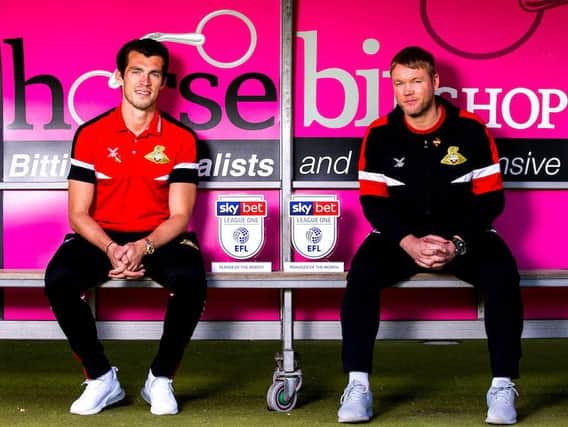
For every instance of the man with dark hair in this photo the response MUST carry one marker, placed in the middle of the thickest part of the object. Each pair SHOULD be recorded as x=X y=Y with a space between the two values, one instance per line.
x=132 y=188
x=430 y=185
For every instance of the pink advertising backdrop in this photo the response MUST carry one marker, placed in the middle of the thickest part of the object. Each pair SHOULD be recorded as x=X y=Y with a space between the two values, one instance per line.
x=77 y=44
x=494 y=58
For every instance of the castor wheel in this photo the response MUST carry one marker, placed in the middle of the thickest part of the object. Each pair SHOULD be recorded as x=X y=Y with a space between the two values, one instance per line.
x=276 y=398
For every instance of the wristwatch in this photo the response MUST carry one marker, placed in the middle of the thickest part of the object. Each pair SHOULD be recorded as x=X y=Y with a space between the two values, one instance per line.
x=149 y=247
x=461 y=247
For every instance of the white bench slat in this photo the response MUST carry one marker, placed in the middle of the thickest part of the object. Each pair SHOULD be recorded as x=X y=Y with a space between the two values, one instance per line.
x=271 y=330
x=15 y=278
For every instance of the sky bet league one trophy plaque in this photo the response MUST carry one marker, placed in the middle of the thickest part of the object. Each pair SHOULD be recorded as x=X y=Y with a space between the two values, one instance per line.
x=241 y=232
x=313 y=222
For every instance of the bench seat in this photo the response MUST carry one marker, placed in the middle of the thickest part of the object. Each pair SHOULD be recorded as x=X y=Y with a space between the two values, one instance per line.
x=287 y=329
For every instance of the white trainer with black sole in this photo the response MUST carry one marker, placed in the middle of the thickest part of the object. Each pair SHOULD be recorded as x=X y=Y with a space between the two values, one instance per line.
x=158 y=392
x=99 y=393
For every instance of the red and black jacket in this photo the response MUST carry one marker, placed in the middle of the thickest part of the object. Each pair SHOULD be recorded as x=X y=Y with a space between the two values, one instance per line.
x=444 y=181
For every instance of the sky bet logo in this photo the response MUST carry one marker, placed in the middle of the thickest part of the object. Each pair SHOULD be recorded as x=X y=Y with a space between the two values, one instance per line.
x=315 y=208
x=241 y=208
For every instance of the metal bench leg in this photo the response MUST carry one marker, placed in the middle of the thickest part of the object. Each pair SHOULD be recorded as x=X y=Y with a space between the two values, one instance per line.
x=287 y=378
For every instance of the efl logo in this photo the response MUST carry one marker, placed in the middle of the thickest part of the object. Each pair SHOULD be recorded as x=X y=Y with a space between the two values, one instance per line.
x=314 y=208
x=241 y=208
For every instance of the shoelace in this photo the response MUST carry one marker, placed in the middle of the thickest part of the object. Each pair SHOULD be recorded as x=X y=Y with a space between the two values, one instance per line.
x=92 y=386
x=354 y=392
x=505 y=393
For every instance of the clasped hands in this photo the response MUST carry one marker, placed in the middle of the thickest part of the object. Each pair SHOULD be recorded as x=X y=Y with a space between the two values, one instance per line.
x=126 y=260
x=431 y=251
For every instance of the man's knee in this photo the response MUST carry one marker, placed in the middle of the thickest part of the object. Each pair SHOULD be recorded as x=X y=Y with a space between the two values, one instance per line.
x=505 y=273
x=187 y=281
x=56 y=281
x=501 y=280
x=371 y=275
x=66 y=281
x=361 y=275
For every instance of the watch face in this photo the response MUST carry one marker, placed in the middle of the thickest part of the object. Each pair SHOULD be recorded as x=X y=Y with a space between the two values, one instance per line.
x=460 y=246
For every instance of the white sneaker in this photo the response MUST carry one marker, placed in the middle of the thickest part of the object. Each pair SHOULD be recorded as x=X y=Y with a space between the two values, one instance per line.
x=501 y=404
x=158 y=392
x=99 y=393
x=356 y=404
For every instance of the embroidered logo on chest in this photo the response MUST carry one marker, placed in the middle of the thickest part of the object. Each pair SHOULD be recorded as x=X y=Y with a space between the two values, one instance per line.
x=399 y=162
x=113 y=154
x=453 y=157
x=158 y=155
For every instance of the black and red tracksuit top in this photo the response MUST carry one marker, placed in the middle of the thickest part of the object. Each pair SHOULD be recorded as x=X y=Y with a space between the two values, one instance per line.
x=444 y=181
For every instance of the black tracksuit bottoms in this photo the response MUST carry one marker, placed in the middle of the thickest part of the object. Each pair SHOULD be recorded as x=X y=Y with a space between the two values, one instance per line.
x=488 y=265
x=78 y=266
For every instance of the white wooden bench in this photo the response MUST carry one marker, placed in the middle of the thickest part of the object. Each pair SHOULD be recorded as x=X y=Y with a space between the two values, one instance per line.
x=286 y=283
x=287 y=377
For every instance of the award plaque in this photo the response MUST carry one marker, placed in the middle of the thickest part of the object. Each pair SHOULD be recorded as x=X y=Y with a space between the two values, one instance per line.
x=313 y=222
x=241 y=232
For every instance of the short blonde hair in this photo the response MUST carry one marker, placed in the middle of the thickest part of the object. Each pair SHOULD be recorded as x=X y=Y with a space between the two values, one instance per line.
x=415 y=57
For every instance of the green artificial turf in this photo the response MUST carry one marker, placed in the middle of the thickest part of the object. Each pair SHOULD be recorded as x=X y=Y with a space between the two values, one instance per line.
x=224 y=383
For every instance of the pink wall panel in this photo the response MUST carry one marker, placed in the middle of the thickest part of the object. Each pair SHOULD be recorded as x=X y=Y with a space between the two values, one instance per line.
x=396 y=304
x=26 y=304
x=226 y=304
x=35 y=223
x=535 y=226
x=549 y=303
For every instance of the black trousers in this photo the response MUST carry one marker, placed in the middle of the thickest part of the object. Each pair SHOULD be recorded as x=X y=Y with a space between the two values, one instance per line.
x=78 y=265
x=488 y=265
